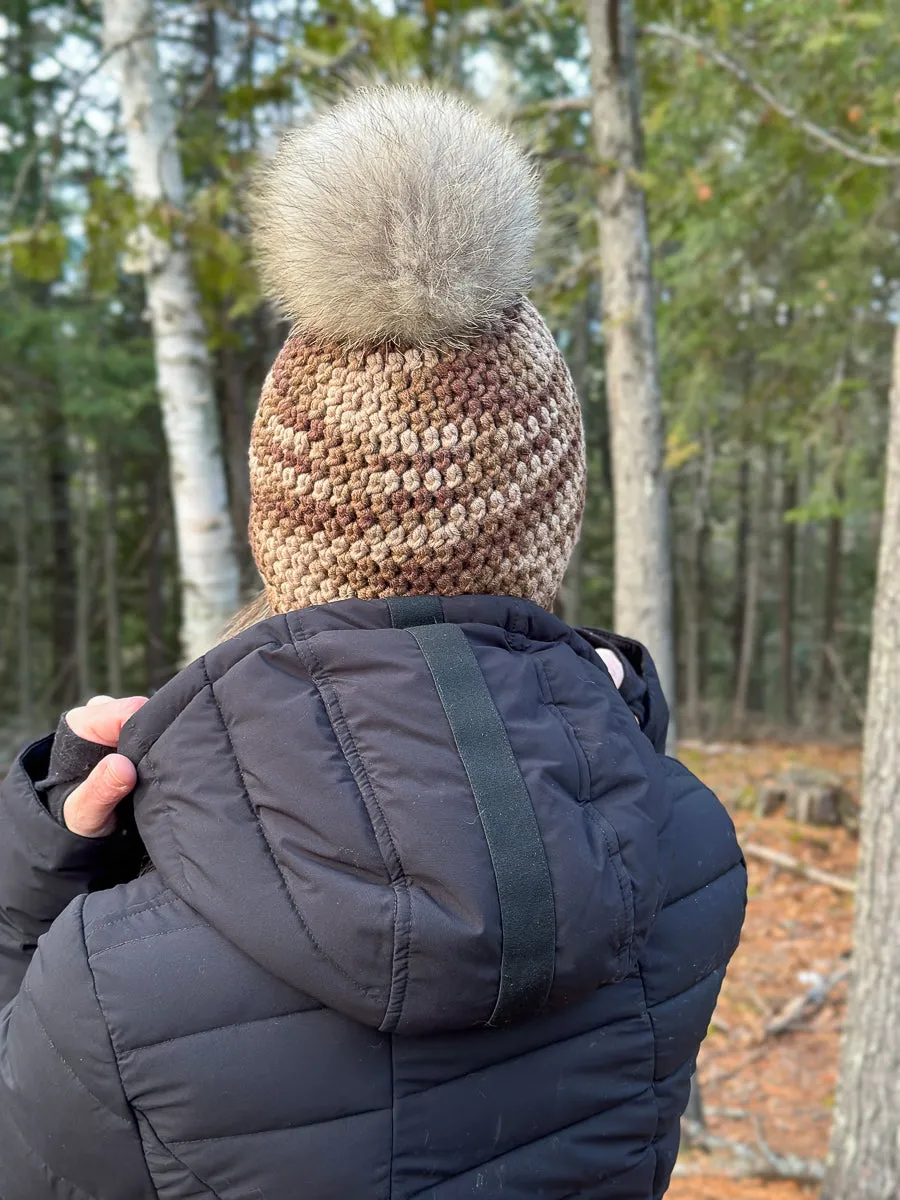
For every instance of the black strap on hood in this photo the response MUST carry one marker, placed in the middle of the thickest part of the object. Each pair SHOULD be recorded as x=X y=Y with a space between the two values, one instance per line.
x=409 y=611
x=524 y=888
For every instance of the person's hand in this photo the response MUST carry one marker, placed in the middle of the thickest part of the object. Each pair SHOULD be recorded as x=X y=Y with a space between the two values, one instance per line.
x=90 y=811
x=613 y=664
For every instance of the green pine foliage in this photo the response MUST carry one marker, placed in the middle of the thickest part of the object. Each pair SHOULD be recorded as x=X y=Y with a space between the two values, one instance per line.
x=776 y=260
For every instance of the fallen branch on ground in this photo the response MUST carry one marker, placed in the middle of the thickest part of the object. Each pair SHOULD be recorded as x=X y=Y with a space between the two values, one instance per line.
x=759 y=1051
x=788 y=863
x=761 y=1161
x=802 y=1007
x=759 y=1003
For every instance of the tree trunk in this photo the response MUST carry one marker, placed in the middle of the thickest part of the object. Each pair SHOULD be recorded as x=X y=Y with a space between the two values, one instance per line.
x=865 y=1147
x=643 y=572
x=237 y=441
x=830 y=606
x=247 y=74
x=83 y=578
x=765 y=676
x=705 y=610
x=62 y=691
x=786 y=603
x=696 y=600
x=579 y=362
x=742 y=535
x=156 y=657
x=695 y=616
x=207 y=561
x=752 y=589
x=694 y=1111
x=23 y=592
x=569 y=602
x=111 y=582
x=825 y=679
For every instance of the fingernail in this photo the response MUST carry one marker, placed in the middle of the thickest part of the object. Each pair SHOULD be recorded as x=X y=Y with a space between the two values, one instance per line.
x=118 y=779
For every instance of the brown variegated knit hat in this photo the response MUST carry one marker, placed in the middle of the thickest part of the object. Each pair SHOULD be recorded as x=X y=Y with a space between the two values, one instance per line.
x=419 y=432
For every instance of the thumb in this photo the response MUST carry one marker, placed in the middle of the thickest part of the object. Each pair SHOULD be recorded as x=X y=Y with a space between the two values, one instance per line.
x=90 y=810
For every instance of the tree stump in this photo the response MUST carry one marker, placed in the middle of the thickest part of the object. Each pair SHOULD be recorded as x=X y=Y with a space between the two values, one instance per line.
x=809 y=796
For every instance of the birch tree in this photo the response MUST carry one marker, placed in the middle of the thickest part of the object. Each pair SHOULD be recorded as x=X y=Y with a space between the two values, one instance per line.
x=208 y=567
x=865 y=1145
x=803 y=217
x=643 y=574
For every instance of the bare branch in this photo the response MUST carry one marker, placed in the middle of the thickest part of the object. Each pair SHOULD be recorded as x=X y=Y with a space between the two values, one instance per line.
x=761 y=1161
x=561 y=104
x=569 y=276
x=802 y=1007
x=788 y=863
x=758 y=1052
x=21 y=179
x=309 y=58
x=823 y=136
x=253 y=27
x=568 y=156
x=840 y=675
x=62 y=119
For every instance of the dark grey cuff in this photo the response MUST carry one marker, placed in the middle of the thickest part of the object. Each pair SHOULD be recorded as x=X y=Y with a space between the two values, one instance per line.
x=72 y=758
x=43 y=865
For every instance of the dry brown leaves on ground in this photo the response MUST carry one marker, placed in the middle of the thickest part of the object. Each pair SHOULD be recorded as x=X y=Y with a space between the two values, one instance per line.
x=781 y=1086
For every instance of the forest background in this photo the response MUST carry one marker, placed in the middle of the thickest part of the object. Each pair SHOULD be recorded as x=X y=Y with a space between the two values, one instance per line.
x=767 y=158
x=776 y=262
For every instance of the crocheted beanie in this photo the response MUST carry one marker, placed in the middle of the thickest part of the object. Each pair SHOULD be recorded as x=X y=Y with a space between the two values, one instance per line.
x=419 y=433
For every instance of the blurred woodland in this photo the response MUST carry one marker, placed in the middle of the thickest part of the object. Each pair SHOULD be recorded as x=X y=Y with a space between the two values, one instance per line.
x=743 y=428
x=775 y=260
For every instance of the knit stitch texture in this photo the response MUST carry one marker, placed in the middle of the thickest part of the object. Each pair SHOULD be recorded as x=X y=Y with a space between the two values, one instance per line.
x=403 y=465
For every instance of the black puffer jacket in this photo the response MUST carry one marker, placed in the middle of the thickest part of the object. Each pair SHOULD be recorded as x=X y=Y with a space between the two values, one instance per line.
x=430 y=916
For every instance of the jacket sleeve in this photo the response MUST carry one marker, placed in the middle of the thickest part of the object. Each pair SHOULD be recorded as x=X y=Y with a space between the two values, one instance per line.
x=67 y=1131
x=43 y=866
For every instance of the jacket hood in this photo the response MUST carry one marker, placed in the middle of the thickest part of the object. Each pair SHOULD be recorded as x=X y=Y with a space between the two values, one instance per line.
x=424 y=831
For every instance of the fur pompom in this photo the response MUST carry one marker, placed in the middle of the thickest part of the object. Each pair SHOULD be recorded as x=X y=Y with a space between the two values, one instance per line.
x=401 y=215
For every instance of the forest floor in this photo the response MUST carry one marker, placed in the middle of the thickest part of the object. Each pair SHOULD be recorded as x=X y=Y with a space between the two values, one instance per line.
x=779 y=1087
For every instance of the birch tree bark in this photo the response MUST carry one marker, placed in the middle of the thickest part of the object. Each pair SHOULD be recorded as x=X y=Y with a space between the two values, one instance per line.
x=643 y=573
x=206 y=554
x=865 y=1143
